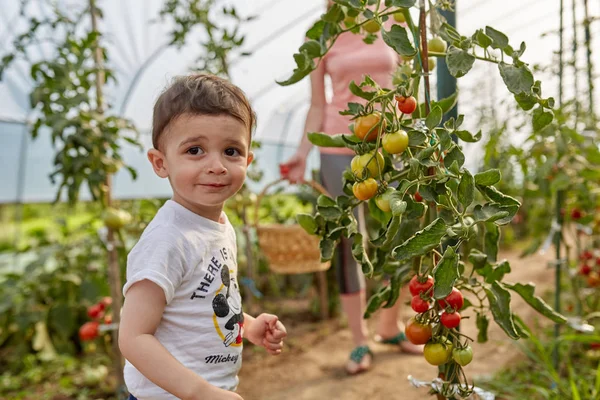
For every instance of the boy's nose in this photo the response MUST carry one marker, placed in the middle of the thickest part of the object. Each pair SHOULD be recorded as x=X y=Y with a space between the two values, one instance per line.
x=216 y=167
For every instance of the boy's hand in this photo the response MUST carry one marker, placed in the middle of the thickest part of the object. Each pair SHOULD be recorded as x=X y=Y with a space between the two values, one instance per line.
x=267 y=331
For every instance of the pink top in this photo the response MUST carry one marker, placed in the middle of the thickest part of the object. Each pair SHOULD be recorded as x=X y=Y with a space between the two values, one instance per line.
x=349 y=60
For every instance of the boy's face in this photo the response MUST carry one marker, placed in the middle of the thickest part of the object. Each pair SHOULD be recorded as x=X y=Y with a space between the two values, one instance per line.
x=205 y=158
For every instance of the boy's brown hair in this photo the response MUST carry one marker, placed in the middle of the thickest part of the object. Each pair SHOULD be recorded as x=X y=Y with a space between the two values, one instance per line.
x=200 y=94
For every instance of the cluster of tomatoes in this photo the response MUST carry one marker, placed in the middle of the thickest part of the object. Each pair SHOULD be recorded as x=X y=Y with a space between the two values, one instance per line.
x=436 y=322
x=367 y=167
x=590 y=267
x=97 y=313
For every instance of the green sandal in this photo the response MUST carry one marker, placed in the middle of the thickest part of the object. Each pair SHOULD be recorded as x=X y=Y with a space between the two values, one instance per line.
x=395 y=340
x=399 y=340
x=357 y=355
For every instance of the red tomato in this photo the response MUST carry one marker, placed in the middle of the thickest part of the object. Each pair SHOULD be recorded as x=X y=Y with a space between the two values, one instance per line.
x=418 y=197
x=419 y=284
x=454 y=300
x=95 y=311
x=416 y=332
x=450 y=320
x=419 y=305
x=89 y=331
x=406 y=105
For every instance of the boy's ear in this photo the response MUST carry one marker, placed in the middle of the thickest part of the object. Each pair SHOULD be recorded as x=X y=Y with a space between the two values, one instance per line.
x=159 y=163
x=250 y=157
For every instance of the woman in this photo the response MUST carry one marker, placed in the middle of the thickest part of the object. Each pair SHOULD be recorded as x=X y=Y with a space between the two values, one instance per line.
x=348 y=60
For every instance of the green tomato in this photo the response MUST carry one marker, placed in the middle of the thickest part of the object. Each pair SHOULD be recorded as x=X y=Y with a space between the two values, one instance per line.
x=462 y=356
x=399 y=17
x=372 y=26
x=436 y=45
x=383 y=200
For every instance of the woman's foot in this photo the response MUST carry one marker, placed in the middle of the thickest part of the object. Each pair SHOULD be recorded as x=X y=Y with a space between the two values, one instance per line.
x=360 y=360
x=400 y=340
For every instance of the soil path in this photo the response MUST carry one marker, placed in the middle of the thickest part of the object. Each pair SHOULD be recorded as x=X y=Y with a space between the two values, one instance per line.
x=311 y=368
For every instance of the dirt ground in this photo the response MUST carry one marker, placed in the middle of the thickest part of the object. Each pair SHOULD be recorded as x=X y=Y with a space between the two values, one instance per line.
x=311 y=368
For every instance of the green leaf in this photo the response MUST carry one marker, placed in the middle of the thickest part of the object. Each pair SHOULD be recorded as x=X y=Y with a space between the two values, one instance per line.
x=324 y=140
x=499 y=39
x=330 y=213
x=493 y=194
x=61 y=318
x=490 y=241
x=449 y=33
x=517 y=79
x=459 y=61
x=392 y=231
x=445 y=274
x=434 y=118
x=527 y=293
x=541 y=118
x=414 y=210
x=499 y=300
x=466 y=189
x=397 y=38
x=401 y=3
x=488 y=178
x=307 y=222
x=397 y=205
x=482 y=326
x=375 y=212
x=447 y=104
x=334 y=14
x=374 y=303
x=421 y=242
x=477 y=258
x=489 y=212
x=415 y=138
x=357 y=91
x=327 y=247
x=360 y=255
x=493 y=273
x=482 y=39
x=312 y=48
x=304 y=66
x=453 y=155
x=526 y=101
x=467 y=136
x=326 y=201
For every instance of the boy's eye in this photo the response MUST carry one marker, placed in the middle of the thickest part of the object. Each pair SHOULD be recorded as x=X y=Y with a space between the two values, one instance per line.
x=232 y=152
x=194 y=150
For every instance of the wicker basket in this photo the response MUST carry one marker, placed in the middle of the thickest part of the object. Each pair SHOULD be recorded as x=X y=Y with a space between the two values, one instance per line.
x=289 y=248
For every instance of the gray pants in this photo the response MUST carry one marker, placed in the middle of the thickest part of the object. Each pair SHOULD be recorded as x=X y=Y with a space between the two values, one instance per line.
x=348 y=273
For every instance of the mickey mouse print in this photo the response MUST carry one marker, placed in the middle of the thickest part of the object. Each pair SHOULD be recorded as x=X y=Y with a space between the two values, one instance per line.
x=228 y=315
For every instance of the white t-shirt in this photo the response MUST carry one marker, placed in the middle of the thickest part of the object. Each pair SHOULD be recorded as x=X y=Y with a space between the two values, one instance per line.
x=193 y=259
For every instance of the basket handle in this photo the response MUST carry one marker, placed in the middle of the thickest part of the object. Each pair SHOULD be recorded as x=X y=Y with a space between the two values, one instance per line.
x=315 y=185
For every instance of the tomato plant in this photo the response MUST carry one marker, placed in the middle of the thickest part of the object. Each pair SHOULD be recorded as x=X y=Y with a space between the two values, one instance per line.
x=441 y=206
